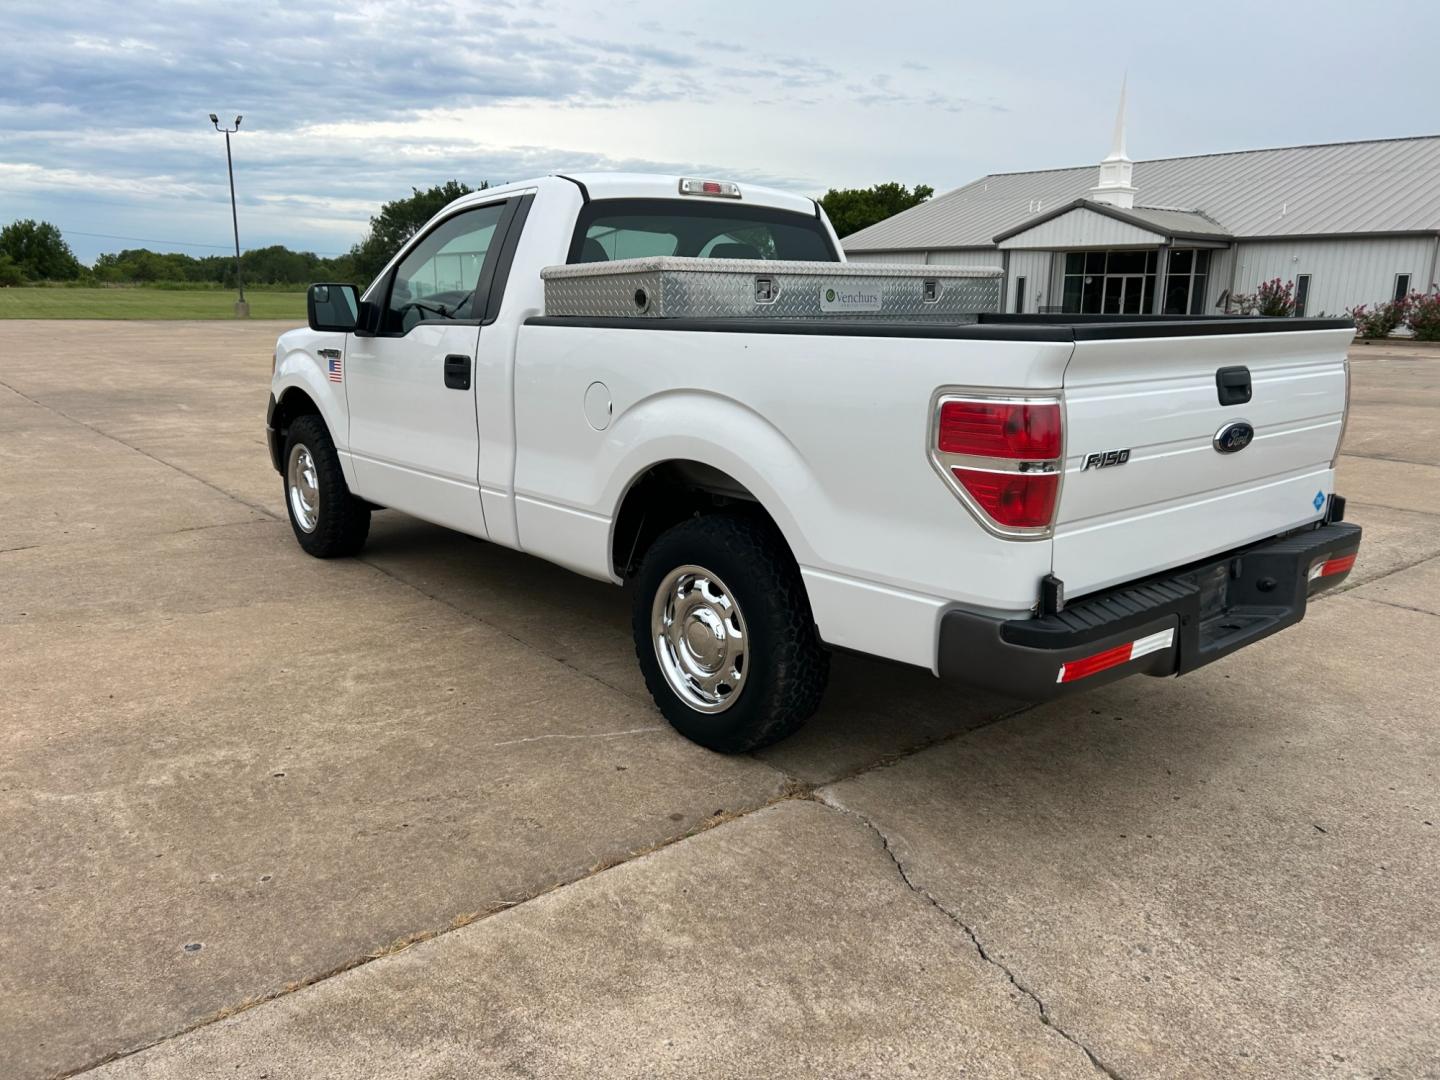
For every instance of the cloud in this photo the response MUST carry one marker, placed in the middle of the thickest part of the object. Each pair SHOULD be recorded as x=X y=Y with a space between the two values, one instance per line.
x=346 y=104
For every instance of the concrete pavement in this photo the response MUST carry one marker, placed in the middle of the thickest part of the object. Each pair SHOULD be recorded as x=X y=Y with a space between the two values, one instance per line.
x=233 y=774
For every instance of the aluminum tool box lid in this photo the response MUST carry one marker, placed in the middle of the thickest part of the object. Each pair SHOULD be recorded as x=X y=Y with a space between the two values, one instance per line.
x=675 y=288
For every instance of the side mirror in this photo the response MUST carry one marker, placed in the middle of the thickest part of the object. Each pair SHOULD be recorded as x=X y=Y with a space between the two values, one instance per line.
x=332 y=307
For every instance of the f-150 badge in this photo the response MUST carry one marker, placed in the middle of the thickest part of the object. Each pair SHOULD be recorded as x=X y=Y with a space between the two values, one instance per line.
x=1105 y=459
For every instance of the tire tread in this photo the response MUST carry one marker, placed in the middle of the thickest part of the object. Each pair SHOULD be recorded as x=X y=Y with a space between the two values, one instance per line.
x=344 y=521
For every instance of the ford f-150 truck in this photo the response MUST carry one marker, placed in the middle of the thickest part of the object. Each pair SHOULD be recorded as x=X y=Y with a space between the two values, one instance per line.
x=1032 y=504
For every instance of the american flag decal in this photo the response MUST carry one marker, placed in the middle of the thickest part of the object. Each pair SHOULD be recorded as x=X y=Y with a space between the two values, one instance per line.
x=334 y=364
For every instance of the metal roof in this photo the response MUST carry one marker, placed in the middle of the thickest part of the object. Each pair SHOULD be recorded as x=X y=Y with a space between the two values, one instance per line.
x=1384 y=185
x=1185 y=224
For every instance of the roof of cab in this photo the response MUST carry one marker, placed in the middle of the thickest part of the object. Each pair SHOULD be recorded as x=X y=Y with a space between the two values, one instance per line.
x=617 y=185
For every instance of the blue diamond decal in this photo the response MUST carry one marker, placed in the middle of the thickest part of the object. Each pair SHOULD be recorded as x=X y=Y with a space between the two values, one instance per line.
x=1319 y=499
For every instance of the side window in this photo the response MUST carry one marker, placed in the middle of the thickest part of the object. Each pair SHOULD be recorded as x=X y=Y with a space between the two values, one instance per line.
x=436 y=281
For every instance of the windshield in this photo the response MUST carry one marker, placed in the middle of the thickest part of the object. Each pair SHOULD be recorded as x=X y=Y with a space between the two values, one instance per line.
x=612 y=229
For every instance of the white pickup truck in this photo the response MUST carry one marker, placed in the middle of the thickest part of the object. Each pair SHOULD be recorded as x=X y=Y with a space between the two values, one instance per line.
x=1032 y=504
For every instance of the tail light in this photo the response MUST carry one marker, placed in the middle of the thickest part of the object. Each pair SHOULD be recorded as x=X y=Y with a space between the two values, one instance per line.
x=721 y=189
x=1002 y=457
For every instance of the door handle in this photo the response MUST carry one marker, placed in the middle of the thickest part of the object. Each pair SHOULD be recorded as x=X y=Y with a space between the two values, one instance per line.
x=1232 y=385
x=457 y=372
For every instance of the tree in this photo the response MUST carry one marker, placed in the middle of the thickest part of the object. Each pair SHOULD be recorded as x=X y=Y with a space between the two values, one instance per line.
x=399 y=220
x=39 y=250
x=853 y=209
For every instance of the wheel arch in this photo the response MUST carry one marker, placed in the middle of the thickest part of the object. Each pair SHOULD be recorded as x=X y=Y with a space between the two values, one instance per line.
x=670 y=491
x=302 y=392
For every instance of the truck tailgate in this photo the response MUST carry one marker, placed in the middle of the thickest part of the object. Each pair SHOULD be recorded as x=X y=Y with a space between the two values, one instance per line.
x=1167 y=496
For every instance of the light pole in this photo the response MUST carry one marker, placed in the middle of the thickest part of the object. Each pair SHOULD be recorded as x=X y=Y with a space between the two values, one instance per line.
x=242 y=309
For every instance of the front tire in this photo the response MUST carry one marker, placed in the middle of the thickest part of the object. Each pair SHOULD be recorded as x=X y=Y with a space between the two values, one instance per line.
x=328 y=521
x=724 y=634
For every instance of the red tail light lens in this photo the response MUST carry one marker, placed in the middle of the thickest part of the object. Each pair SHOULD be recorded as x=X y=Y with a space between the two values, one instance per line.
x=1015 y=500
x=999 y=429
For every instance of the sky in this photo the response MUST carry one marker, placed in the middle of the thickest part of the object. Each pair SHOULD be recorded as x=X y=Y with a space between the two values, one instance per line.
x=104 y=106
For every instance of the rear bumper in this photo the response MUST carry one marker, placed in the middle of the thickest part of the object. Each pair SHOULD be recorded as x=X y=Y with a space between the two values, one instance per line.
x=1166 y=625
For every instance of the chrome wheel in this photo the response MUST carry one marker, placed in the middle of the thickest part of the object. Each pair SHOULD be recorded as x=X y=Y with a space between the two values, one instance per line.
x=699 y=637
x=304 y=487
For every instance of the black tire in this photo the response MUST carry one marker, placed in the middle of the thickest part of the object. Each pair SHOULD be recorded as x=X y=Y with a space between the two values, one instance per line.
x=785 y=666
x=341 y=521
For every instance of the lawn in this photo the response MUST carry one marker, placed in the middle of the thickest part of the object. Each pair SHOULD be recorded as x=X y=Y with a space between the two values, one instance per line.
x=142 y=303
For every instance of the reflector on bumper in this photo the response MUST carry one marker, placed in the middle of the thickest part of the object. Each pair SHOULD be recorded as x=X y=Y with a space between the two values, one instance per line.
x=1330 y=567
x=1120 y=654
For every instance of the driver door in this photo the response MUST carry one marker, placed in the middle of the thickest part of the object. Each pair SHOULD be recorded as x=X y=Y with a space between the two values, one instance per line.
x=410 y=386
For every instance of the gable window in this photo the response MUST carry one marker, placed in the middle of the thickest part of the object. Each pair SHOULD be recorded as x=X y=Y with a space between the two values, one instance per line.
x=1402 y=286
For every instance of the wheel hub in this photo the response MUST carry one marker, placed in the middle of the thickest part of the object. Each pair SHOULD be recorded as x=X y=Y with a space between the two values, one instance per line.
x=699 y=637
x=303 y=484
x=705 y=637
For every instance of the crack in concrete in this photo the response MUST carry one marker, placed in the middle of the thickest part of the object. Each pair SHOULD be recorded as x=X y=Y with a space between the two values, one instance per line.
x=1041 y=1009
x=596 y=735
x=270 y=515
x=1367 y=504
x=1402 y=607
x=792 y=789
x=894 y=757
x=143 y=453
x=562 y=661
x=494 y=907
x=1384 y=457
x=1350 y=586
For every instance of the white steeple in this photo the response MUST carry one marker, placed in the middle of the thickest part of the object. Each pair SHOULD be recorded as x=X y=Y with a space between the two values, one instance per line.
x=1115 y=187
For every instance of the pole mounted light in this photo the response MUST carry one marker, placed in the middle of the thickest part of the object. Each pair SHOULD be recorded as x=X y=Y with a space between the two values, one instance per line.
x=242 y=309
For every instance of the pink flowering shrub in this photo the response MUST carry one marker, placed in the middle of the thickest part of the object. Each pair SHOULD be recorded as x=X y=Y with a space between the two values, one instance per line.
x=1377 y=321
x=1422 y=315
x=1273 y=297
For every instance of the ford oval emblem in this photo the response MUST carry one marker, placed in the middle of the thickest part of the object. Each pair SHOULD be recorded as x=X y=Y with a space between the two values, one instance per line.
x=1233 y=437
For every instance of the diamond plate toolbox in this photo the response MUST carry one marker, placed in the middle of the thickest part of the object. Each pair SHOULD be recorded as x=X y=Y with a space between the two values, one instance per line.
x=675 y=288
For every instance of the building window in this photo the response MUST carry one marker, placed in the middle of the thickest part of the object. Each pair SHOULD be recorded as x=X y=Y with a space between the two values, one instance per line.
x=1109 y=282
x=1302 y=294
x=1402 y=286
x=1186 y=281
x=1019 y=294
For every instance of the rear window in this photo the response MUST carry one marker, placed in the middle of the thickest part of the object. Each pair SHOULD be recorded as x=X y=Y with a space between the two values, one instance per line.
x=613 y=229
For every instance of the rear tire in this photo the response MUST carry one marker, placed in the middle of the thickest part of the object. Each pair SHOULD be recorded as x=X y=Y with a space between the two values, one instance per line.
x=724 y=633
x=328 y=521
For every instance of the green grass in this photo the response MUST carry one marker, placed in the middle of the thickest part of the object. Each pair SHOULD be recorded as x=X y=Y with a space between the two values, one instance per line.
x=143 y=303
